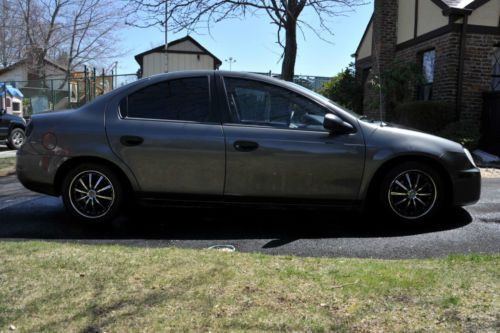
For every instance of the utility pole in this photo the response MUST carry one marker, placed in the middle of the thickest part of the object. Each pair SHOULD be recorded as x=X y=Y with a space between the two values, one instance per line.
x=231 y=61
x=166 y=36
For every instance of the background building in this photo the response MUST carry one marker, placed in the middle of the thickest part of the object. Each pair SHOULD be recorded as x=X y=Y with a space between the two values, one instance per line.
x=183 y=54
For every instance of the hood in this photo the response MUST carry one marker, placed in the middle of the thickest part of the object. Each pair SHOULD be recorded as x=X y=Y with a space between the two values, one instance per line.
x=411 y=139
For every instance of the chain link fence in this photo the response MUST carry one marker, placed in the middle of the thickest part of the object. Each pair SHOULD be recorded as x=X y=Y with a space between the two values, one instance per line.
x=61 y=93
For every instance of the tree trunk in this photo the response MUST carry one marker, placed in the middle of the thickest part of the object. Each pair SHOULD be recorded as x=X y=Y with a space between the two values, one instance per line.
x=290 y=52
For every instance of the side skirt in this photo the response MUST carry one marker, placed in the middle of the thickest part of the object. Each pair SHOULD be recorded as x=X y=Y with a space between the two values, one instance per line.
x=183 y=200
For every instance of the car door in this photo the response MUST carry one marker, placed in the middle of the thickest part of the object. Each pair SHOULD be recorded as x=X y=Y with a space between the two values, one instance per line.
x=277 y=147
x=168 y=135
x=4 y=125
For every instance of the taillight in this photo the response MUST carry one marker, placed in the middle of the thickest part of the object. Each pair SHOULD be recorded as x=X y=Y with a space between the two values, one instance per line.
x=49 y=141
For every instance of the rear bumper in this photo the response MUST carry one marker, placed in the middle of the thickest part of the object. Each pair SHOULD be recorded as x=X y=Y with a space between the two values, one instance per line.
x=467 y=187
x=37 y=172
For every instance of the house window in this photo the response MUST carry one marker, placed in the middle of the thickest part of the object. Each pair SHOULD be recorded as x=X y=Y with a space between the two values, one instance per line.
x=428 y=59
x=495 y=74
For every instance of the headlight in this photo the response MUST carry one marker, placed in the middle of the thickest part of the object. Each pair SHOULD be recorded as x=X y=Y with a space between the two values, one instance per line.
x=469 y=156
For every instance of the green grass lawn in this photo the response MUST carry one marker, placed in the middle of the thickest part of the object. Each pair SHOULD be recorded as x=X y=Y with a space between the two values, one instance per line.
x=56 y=287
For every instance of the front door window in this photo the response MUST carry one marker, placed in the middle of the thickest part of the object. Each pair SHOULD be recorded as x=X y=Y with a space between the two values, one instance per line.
x=257 y=103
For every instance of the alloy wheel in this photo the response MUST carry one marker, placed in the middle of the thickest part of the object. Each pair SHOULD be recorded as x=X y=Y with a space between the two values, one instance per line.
x=412 y=194
x=17 y=139
x=91 y=194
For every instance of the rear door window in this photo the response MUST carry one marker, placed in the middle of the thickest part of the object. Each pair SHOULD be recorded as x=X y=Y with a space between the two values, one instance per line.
x=186 y=99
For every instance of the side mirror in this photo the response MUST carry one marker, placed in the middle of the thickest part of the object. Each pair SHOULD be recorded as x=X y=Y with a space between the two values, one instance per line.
x=335 y=125
x=3 y=111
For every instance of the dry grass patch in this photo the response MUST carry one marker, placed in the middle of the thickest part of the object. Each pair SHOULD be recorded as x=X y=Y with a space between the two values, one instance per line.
x=7 y=166
x=490 y=173
x=53 y=287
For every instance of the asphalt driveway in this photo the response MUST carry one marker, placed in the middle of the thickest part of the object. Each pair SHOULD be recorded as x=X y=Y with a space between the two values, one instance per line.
x=26 y=215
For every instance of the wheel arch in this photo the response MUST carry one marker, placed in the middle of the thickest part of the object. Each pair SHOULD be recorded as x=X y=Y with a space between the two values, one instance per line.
x=70 y=164
x=391 y=163
x=14 y=125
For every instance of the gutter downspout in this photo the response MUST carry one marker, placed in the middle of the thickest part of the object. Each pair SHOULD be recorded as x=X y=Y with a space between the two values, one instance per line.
x=461 y=65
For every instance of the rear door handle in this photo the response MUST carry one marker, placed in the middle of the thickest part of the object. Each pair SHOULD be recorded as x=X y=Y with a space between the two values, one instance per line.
x=130 y=140
x=246 y=146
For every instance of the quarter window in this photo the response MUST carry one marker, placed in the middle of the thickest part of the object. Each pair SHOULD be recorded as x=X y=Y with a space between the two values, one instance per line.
x=257 y=103
x=182 y=99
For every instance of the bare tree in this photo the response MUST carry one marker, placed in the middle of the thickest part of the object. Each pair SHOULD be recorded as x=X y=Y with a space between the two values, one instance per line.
x=90 y=37
x=284 y=14
x=75 y=32
x=10 y=36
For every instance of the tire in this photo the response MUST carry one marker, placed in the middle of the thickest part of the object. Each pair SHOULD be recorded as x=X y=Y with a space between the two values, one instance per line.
x=93 y=193
x=16 y=138
x=412 y=193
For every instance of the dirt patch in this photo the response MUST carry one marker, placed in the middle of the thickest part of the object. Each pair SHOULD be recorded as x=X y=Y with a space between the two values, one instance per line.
x=490 y=173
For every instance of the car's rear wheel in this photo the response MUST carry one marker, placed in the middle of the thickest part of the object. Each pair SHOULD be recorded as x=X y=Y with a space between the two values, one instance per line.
x=412 y=192
x=16 y=138
x=93 y=193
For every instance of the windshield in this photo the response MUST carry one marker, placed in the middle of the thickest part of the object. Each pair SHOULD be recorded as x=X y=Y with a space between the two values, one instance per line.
x=325 y=99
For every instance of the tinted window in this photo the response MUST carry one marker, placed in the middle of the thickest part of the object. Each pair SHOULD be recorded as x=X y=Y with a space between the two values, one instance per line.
x=183 y=99
x=254 y=102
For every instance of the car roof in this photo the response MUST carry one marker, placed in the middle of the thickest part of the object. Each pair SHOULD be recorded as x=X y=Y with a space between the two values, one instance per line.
x=193 y=73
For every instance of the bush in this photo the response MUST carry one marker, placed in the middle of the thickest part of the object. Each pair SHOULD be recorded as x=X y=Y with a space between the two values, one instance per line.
x=465 y=133
x=427 y=116
x=344 y=89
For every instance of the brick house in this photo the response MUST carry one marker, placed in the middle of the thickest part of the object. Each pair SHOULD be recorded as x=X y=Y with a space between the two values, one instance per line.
x=456 y=44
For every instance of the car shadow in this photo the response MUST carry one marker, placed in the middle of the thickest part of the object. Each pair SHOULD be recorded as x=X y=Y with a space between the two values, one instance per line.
x=45 y=218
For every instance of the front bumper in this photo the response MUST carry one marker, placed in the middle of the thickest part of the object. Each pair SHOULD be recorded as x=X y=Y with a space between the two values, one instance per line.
x=467 y=187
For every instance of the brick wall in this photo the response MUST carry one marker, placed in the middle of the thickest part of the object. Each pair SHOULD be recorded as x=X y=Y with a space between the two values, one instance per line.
x=477 y=63
x=384 y=42
x=477 y=74
x=477 y=71
x=446 y=64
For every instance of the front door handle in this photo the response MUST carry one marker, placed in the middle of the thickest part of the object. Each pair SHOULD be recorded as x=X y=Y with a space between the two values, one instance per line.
x=245 y=146
x=131 y=140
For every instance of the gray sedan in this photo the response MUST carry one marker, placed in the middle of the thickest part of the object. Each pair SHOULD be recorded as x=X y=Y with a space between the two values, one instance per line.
x=214 y=137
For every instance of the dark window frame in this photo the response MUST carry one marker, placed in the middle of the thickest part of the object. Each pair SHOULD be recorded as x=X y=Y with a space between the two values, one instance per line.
x=425 y=89
x=212 y=116
x=495 y=77
x=16 y=106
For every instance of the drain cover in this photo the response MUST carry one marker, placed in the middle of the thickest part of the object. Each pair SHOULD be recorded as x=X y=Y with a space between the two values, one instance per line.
x=223 y=248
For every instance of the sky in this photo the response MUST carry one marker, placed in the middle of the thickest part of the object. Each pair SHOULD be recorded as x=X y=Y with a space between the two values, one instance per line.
x=252 y=42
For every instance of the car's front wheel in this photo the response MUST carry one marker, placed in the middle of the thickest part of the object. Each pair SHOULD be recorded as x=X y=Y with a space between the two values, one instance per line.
x=412 y=192
x=92 y=193
x=16 y=138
